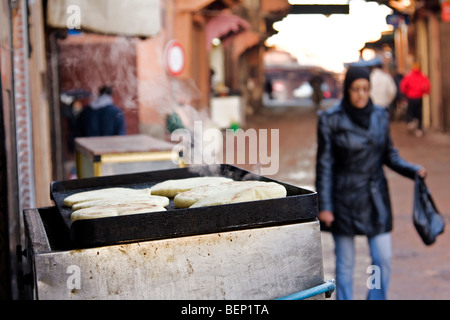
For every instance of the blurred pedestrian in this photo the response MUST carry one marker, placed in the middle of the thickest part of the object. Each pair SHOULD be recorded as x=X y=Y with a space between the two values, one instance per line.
x=382 y=87
x=414 y=86
x=102 y=117
x=316 y=82
x=268 y=88
x=354 y=143
x=72 y=103
x=400 y=103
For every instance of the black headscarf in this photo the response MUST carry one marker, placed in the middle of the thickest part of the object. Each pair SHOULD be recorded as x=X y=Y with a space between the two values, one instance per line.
x=359 y=116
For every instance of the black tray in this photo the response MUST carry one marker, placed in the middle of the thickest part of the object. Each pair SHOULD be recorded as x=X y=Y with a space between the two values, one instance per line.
x=299 y=205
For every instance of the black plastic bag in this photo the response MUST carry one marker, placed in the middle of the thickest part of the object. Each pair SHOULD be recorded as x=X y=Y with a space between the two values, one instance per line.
x=427 y=220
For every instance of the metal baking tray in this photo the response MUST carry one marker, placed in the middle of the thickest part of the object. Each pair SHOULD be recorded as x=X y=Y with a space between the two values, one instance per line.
x=299 y=205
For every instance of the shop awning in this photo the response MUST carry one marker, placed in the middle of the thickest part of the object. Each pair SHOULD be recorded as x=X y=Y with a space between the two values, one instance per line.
x=243 y=41
x=224 y=25
x=270 y=6
x=117 y=17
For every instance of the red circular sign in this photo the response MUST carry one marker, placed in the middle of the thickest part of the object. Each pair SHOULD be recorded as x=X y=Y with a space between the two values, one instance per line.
x=175 y=58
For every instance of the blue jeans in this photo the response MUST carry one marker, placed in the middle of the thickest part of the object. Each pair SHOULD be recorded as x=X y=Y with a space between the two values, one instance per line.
x=381 y=253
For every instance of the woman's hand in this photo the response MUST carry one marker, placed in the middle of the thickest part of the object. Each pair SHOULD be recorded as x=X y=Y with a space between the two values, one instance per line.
x=326 y=217
x=422 y=172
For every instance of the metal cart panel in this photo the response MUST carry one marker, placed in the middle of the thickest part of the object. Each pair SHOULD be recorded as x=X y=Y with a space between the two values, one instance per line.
x=261 y=263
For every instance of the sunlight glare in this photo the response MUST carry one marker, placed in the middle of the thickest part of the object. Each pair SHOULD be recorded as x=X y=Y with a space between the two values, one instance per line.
x=315 y=39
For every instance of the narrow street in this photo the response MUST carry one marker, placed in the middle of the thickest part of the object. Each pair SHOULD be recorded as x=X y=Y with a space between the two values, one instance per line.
x=419 y=271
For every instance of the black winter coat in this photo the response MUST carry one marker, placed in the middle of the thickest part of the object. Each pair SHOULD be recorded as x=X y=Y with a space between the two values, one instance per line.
x=105 y=121
x=350 y=180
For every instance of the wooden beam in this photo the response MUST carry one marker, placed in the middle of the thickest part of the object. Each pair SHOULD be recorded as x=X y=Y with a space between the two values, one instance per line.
x=193 y=5
x=319 y=9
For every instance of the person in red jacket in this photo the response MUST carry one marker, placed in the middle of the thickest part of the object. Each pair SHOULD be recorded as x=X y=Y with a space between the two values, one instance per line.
x=414 y=86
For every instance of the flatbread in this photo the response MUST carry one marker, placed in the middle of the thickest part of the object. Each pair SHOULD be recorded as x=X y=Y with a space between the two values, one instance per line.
x=105 y=193
x=268 y=190
x=188 y=198
x=113 y=211
x=143 y=199
x=170 y=188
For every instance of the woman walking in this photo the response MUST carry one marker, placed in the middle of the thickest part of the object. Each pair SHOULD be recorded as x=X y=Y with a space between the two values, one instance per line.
x=354 y=143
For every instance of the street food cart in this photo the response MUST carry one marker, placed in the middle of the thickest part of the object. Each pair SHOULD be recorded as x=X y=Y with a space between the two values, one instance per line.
x=265 y=249
x=100 y=156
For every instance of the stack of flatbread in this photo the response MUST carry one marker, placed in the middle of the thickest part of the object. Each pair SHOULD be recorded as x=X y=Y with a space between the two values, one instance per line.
x=229 y=192
x=210 y=191
x=170 y=188
x=110 y=202
x=187 y=193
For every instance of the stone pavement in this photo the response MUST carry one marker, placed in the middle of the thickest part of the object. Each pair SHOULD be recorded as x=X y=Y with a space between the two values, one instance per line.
x=418 y=271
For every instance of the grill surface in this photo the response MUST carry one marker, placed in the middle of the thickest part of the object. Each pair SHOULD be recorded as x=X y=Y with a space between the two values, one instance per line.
x=299 y=205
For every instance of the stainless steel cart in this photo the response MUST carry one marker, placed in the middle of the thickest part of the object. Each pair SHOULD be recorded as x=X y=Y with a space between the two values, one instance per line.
x=235 y=254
